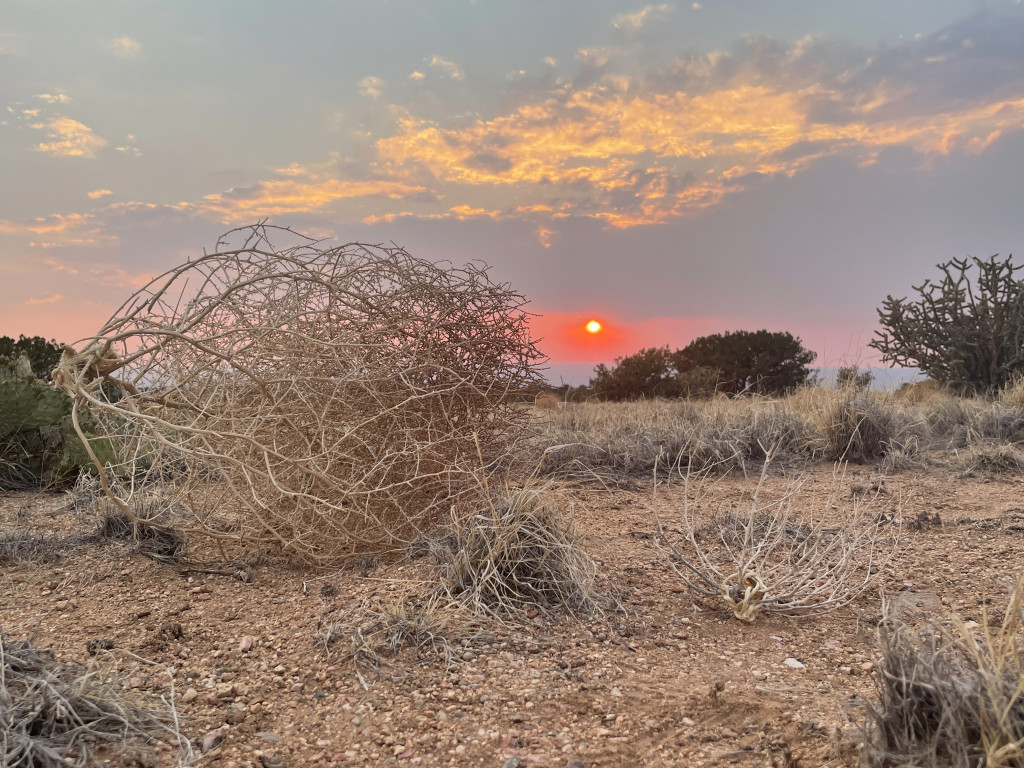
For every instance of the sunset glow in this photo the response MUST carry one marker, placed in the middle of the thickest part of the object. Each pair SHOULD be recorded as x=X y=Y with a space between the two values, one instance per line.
x=640 y=173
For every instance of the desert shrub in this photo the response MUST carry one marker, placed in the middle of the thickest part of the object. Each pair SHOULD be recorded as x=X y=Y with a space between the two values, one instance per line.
x=949 y=698
x=53 y=714
x=38 y=442
x=849 y=376
x=962 y=332
x=644 y=374
x=863 y=427
x=769 y=559
x=518 y=552
x=758 y=362
x=329 y=400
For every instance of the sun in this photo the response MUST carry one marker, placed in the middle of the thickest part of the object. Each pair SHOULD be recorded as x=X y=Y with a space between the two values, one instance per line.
x=593 y=326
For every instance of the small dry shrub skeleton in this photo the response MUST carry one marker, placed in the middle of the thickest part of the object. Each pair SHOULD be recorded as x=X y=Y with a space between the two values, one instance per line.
x=770 y=559
x=333 y=400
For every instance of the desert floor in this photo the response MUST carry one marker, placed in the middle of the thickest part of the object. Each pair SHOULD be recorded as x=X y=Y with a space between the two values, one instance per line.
x=667 y=678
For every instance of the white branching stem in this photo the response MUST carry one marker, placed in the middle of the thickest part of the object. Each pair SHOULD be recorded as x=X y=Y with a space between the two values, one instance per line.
x=769 y=558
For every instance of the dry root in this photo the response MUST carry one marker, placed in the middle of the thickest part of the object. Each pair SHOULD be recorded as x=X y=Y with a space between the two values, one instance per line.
x=769 y=560
x=332 y=401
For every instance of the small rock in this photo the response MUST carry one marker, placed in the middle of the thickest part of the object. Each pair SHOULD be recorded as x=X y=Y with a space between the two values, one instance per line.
x=269 y=736
x=867 y=666
x=793 y=663
x=271 y=760
x=235 y=714
x=189 y=696
x=844 y=670
x=225 y=690
x=512 y=762
x=616 y=693
x=688 y=722
x=574 y=764
x=468 y=656
x=212 y=740
x=245 y=644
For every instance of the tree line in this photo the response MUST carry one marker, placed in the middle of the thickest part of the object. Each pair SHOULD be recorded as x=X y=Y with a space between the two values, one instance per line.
x=964 y=330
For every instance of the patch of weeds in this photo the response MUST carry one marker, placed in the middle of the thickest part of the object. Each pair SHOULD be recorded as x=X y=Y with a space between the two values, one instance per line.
x=950 y=697
x=28 y=547
x=517 y=553
x=375 y=638
x=149 y=531
x=54 y=714
x=990 y=457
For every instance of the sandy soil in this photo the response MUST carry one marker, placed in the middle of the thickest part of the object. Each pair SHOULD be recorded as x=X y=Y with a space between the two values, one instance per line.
x=672 y=680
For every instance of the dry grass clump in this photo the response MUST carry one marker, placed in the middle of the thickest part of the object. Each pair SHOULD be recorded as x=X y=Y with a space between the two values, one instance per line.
x=863 y=427
x=54 y=715
x=374 y=638
x=149 y=530
x=950 y=698
x=768 y=559
x=18 y=547
x=1012 y=395
x=990 y=457
x=518 y=553
x=330 y=400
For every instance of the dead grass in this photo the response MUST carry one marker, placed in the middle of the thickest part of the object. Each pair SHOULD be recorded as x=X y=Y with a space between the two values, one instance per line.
x=517 y=553
x=813 y=424
x=53 y=715
x=950 y=697
x=374 y=638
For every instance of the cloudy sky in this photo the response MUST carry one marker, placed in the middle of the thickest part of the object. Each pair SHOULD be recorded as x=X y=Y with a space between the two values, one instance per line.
x=671 y=169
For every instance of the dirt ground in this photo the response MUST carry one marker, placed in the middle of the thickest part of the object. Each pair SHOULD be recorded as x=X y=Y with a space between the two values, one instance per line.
x=670 y=680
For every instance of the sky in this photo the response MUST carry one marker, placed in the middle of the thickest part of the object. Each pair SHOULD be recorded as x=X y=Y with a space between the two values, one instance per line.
x=669 y=169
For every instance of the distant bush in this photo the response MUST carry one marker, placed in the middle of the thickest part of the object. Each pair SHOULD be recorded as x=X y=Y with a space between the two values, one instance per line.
x=42 y=355
x=850 y=377
x=741 y=362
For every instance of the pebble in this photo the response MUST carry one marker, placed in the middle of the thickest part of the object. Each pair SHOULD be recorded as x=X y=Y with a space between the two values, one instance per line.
x=190 y=695
x=793 y=663
x=212 y=740
x=245 y=644
x=269 y=736
x=512 y=762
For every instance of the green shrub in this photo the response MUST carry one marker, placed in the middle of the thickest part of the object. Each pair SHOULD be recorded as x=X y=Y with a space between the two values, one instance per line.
x=38 y=443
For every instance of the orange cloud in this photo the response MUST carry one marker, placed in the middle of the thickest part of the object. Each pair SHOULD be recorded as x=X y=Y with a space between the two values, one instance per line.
x=70 y=138
x=50 y=298
x=269 y=198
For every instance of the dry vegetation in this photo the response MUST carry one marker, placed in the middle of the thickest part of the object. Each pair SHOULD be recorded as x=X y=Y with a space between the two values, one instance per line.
x=352 y=418
x=330 y=401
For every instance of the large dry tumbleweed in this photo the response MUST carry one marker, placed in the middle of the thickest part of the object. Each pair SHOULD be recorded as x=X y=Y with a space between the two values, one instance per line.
x=333 y=400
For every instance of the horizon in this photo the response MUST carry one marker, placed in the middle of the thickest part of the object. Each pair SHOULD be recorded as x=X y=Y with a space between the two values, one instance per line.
x=671 y=170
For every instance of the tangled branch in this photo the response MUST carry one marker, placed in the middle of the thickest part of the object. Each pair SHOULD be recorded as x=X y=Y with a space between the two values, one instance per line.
x=330 y=400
